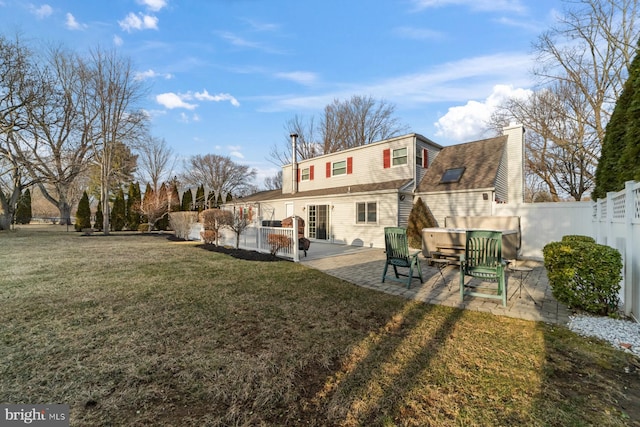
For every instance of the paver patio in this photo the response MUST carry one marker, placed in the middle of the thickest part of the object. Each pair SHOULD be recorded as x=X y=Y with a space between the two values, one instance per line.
x=364 y=266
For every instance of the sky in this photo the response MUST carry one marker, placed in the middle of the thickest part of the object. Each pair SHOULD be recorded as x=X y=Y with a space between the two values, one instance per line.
x=225 y=76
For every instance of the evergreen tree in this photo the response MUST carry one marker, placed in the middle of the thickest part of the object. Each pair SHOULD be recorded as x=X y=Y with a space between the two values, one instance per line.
x=420 y=217
x=23 y=209
x=187 y=200
x=83 y=214
x=163 y=221
x=200 y=198
x=99 y=217
x=219 y=201
x=229 y=197
x=146 y=201
x=620 y=153
x=118 y=213
x=174 y=197
x=134 y=199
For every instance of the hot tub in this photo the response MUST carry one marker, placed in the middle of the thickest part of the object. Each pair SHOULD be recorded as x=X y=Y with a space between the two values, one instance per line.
x=452 y=241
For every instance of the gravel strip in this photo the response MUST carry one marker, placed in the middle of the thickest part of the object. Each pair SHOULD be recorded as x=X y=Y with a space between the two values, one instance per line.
x=621 y=333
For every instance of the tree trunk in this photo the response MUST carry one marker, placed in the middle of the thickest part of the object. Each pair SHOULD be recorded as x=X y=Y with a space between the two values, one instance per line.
x=65 y=213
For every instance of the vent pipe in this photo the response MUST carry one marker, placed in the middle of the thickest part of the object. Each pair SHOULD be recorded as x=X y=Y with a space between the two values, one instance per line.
x=294 y=163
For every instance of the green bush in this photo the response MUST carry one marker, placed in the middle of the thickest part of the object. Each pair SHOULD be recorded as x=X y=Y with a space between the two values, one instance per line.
x=83 y=214
x=420 y=217
x=584 y=274
x=577 y=238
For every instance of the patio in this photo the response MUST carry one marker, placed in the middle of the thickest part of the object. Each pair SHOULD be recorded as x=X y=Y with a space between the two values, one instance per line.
x=364 y=266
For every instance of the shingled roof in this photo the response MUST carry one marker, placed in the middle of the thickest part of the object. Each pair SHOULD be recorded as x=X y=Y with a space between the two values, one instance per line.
x=481 y=160
x=264 y=196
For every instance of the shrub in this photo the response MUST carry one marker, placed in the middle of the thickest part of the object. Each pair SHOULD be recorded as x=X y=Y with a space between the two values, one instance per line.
x=577 y=238
x=145 y=228
x=277 y=242
x=99 y=217
x=210 y=237
x=118 y=212
x=214 y=219
x=181 y=223
x=419 y=218
x=83 y=214
x=23 y=209
x=584 y=274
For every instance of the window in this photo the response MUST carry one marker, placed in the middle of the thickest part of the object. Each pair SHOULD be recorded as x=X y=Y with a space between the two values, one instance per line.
x=399 y=156
x=419 y=157
x=451 y=175
x=339 y=168
x=367 y=213
x=304 y=176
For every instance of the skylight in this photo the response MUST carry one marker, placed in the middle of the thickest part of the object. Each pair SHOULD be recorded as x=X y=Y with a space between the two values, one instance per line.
x=451 y=175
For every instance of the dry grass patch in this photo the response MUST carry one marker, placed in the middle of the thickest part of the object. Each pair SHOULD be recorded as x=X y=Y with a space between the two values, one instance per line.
x=138 y=330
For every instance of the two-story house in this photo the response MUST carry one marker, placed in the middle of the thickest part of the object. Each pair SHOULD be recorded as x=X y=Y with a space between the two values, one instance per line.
x=348 y=197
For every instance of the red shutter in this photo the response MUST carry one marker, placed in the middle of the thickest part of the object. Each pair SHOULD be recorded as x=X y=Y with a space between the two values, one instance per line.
x=328 y=169
x=311 y=173
x=349 y=165
x=298 y=175
x=386 y=158
x=425 y=158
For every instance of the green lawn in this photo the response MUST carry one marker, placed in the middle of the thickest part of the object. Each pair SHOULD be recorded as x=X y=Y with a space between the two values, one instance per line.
x=138 y=330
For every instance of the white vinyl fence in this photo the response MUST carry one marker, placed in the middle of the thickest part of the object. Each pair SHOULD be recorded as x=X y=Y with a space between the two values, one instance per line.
x=617 y=224
x=613 y=221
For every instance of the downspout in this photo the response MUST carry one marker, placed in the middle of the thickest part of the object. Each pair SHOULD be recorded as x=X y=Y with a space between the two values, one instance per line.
x=294 y=163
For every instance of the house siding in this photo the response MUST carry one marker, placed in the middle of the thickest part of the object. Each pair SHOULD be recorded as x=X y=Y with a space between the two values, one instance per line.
x=464 y=203
x=365 y=164
x=502 y=180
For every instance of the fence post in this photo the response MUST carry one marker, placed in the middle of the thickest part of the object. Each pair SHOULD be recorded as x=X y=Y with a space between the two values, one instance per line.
x=296 y=252
x=627 y=267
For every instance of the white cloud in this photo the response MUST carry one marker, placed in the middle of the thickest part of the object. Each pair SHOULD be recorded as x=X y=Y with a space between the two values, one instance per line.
x=138 y=22
x=154 y=5
x=41 y=12
x=301 y=77
x=469 y=121
x=453 y=82
x=205 y=96
x=236 y=154
x=72 y=24
x=151 y=74
x=117 y=40
x=171 y=100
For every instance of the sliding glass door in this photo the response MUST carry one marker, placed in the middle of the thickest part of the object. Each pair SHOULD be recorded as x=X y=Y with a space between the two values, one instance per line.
x=318 y=220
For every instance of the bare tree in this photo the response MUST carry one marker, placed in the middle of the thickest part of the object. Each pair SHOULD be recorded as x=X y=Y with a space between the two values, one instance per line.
x=220 y=174
x=156 y=161
x=154 y=205
x=582 y=64
x=560 y=145
x=237 y=222
x=20 y=89
x=308 y=146
x=357 y=121
x=273 y=182
x=111 y=114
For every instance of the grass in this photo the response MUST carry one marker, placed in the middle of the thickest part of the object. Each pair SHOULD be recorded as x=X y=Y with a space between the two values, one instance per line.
x=137 y=330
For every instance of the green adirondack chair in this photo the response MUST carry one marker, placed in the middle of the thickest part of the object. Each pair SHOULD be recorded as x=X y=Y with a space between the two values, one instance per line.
x=482 y=259
x=397 y=250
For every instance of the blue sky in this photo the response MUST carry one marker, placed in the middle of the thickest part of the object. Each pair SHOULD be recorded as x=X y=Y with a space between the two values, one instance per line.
x=226 y=75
